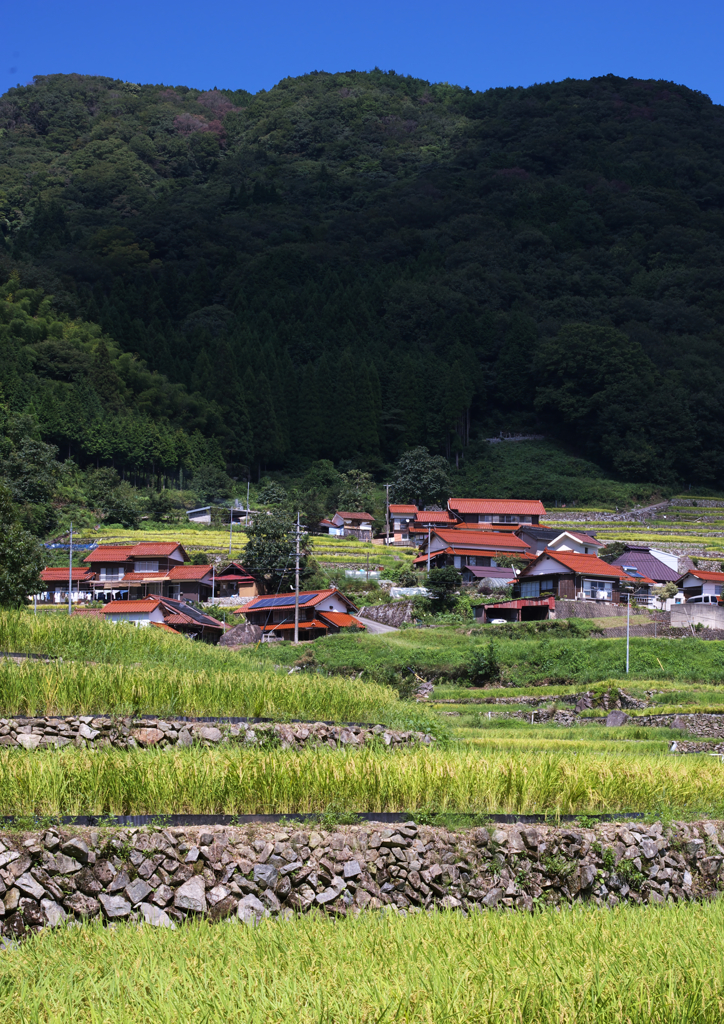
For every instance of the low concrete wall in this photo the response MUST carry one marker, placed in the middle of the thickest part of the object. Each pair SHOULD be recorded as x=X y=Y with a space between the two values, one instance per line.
x=709 y=615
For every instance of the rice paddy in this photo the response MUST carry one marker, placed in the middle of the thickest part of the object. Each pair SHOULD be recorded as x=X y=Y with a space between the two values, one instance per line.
x=628 y=965
x=498 y=776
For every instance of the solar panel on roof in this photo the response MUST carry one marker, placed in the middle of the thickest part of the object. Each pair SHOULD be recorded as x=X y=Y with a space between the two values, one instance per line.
x=275 y=602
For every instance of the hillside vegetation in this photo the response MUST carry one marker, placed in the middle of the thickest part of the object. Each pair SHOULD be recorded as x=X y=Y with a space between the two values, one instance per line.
x=350 y=264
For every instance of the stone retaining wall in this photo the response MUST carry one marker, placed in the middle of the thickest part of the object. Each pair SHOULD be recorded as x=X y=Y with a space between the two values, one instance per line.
x=127 y=733
x=388 y=614
x=165 y=876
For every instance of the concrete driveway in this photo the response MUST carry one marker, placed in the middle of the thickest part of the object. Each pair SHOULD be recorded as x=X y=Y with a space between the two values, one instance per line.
x=376 y=627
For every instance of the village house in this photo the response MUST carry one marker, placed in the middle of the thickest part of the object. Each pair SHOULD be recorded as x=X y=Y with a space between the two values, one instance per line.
x=320 y=612
x=660 y=566
x=234 y=581
x=460 y=547
x=168 y=614
x=701 y=586
x=538 y=538
x=334 y=527
x=401 y=517
x=56 y=585
x=497 y=510
x=571 y=576
x=118 y=572
x=357 y=524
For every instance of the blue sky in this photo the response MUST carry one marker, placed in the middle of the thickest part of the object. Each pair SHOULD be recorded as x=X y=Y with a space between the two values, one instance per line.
x=252 y=46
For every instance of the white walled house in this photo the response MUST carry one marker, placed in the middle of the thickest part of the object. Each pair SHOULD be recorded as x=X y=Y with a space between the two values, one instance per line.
x=578 y=543
x=700 y=586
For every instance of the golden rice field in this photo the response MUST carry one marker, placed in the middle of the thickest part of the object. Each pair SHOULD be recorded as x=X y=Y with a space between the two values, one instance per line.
x=507 y=779
x=627 y=965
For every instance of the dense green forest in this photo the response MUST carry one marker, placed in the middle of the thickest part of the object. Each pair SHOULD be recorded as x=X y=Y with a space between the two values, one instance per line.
x=352 y=264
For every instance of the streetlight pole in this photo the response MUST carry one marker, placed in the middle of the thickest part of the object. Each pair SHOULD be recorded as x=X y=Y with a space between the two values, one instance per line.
x=296 y=588
x=628 y=591
x=387 y=515
x=70 y=573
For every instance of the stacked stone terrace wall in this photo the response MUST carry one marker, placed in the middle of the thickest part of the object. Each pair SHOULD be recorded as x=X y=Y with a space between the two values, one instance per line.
x=128 y=733
x=167 y=876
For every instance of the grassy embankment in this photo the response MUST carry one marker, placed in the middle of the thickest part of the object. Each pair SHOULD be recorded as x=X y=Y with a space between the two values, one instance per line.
x=447 y=650
x=629 y=965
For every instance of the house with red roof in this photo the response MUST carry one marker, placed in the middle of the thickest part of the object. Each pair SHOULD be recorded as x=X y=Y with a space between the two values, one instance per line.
x=167 y=614
x=134 y=571
x=571 y=576
x=233 y=580
x=321 y=612
x=497 y=510
x=701 y=586
x=401 y=516
x=461 y=547
x=57 y=583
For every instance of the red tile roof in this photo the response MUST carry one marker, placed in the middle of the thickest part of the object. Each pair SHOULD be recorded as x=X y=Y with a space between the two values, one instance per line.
x=589 y=564
x=145 y=604
x=362 y=517
x=61 y=575
x=434 y=517
x=189 y=572
x=110 y=553
x=125 y=552
x=496 y=506
x=165 y=625
x=155 y=549
x=403 y=510
x=705 y=575
x=341 y=619
x=481 y=539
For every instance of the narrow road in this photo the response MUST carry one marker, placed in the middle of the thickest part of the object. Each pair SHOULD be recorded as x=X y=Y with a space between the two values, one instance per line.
x=377 y=627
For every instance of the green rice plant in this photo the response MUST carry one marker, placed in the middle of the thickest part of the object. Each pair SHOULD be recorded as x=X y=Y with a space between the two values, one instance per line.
x=629 y=965
x=33 y=688
x=230 y=780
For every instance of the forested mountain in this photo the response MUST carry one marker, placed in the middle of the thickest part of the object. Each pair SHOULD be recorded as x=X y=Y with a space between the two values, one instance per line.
x=351 y=264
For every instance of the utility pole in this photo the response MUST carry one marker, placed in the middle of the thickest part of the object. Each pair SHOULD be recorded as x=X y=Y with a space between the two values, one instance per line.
x=428 y=548
x=70 y=573
x=296 y=588
x=387 y=514
x=628 y=627
x=248 y=482
x=368 y=566
x=231 y=523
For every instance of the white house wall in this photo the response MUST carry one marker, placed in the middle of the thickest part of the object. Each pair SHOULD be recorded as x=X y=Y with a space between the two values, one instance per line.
x=545 y=567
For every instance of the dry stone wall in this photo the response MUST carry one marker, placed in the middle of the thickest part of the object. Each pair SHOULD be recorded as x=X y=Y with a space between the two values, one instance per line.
x=128 y=733
x=166 y=876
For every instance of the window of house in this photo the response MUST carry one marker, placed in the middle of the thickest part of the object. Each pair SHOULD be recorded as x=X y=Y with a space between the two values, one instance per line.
x=717 y=590
x=598 y=590
x=112 y=573
x=457 y=561
x=530 y=588
x=145 y=566
x=472 y=560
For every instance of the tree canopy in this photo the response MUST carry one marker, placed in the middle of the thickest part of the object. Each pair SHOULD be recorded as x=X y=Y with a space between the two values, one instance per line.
x=350 y=265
